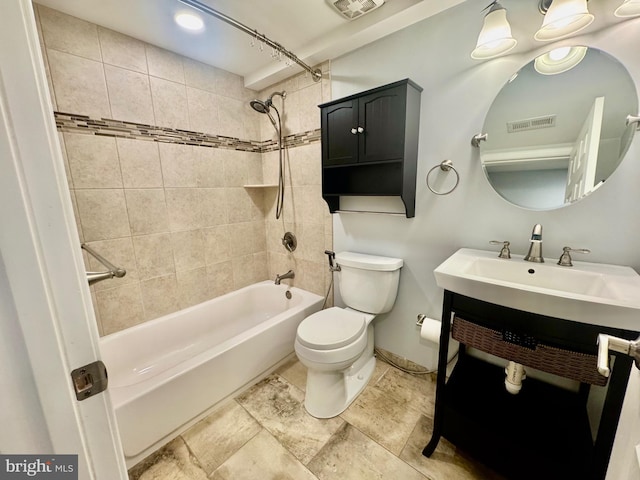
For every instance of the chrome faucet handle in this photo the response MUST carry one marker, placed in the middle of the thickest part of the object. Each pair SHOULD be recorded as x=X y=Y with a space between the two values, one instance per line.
x=565 y=258
x=504 y=251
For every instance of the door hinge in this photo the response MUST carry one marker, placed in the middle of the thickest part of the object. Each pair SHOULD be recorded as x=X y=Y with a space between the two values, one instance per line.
x=89 y=380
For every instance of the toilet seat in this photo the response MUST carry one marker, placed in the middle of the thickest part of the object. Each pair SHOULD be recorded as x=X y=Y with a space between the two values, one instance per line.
x=331 y=328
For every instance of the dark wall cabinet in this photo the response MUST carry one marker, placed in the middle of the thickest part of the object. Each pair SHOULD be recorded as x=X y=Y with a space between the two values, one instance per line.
x=370 y=144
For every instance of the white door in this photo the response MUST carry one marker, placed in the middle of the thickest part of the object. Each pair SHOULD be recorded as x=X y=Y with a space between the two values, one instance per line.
x=584 y=156
x=45 y=301
x=625 y=457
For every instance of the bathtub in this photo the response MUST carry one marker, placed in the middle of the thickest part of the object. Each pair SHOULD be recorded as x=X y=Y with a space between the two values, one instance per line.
x=167 y=373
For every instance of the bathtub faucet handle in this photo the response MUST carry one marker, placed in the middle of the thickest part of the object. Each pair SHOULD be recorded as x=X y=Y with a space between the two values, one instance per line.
x=332 y=256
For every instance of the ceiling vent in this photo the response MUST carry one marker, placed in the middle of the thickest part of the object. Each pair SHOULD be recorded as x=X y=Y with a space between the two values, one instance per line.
x=352 y=9
x=531 y=124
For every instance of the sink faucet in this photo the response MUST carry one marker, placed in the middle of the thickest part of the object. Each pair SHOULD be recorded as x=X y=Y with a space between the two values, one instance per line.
x=289 y=274
x=535 y=247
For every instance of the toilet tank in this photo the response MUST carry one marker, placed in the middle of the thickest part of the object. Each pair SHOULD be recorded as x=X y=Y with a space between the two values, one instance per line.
x=368 y=283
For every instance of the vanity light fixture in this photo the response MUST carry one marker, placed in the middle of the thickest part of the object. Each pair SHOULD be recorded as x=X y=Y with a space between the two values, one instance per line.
x=563 y=18
x=495 y=37
x=629 y=8
x=189 y=21
x=559 y=60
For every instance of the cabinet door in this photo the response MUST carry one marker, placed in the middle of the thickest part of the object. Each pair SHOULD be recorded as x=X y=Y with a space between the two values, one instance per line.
x=382 y=116
x=339 y=142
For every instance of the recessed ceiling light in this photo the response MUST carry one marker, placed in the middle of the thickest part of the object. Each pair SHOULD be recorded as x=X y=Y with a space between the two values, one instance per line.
x=189 y=21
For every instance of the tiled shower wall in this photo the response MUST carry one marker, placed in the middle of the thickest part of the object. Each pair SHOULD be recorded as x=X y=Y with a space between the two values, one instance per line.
x=158 y=150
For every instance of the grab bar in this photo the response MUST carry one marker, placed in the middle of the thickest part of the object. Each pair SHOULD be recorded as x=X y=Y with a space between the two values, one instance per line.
x=93 y=277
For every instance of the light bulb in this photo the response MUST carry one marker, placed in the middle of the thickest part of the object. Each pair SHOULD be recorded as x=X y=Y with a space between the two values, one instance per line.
x=189 y=21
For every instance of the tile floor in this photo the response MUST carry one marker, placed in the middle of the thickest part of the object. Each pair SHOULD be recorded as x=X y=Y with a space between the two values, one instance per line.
x=265 y=433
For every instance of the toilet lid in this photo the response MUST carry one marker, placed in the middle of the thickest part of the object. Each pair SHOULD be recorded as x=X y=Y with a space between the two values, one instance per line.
x=331 y=328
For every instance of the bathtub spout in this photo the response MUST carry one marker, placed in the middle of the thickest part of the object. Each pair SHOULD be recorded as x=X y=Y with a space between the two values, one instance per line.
x=289 y=274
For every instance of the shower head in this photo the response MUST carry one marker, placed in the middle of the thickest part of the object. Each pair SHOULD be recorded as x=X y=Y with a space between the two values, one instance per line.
x=264 y=106
x=260 y=106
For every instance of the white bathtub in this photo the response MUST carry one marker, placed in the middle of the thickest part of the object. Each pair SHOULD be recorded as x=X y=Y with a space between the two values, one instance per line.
x=167 y=373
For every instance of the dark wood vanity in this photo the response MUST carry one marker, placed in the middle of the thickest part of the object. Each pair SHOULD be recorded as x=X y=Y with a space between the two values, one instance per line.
x=544 y=431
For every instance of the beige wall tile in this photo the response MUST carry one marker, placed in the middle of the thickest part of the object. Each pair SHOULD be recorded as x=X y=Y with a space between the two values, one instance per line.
x=230 y=124
x=179 y=165
x=139 y=163
x=120 y=308
x=230 y=85
x=159 y=296
x=199 y=75
x=147 y=210
x=260 y=267
x=154 y=254
x=245 y=271
x=122 y=51
x=185 y=209
x=188 y=249
x=169 y=103
x=69 y=34
x=185 y=206
x=193 y=287
x=254 y=167
x=306 y=165
x=214 y=210
x=129 y=95
x=311 y=242
x=217 y=244
x=203 y=111
x=242 y=238
x=93 y=161
x=103 y=214
x=239 y=205
x=309 y=113
x=235 y=168
x=250 y=121
x=164 y=64
x=220 y=277
x=79 y=85
x=210 y=167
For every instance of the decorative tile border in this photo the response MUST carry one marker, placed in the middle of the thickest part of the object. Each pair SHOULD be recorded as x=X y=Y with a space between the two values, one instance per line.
x=72 y=123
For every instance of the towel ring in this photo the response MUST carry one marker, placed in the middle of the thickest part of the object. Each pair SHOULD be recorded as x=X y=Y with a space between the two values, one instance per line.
x=445 y=166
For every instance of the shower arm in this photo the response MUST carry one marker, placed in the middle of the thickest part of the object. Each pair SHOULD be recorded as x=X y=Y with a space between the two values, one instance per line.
x=316 y=74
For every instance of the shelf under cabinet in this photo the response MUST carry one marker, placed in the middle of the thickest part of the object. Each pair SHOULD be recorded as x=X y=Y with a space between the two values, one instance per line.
x=543 y=432
x=368 y=179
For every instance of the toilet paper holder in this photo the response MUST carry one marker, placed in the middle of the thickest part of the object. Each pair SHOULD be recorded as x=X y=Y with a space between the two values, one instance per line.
x=420 y=321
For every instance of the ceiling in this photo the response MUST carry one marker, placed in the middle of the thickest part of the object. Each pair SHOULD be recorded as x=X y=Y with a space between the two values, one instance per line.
x=311 y=29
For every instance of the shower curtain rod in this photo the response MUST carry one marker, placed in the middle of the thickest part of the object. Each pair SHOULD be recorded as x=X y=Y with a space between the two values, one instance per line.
x=316 y=74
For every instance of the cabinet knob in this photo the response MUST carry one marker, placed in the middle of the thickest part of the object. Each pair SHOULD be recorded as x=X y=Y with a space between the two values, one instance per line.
x=354 y=131
x=360 y=129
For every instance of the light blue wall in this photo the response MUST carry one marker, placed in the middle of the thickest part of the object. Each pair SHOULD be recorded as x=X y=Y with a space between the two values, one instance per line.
x=457 y=94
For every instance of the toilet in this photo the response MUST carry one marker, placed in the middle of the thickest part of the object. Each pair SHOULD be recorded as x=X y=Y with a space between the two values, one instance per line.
x=336 y=344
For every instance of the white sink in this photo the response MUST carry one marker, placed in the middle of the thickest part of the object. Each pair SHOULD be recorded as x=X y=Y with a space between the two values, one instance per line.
x=593 y=293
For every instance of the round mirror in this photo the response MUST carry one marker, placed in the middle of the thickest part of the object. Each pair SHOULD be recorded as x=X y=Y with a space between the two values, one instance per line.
x=557 y=129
